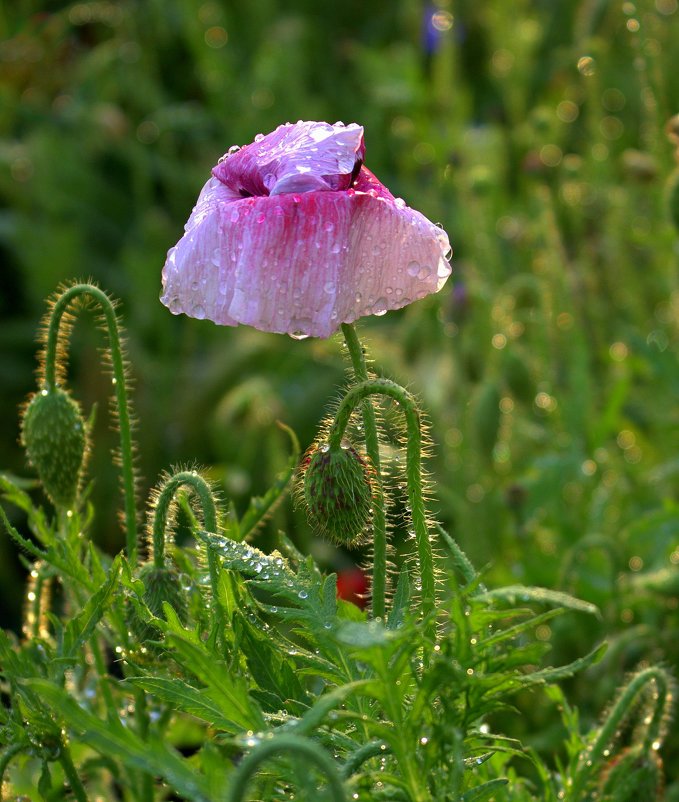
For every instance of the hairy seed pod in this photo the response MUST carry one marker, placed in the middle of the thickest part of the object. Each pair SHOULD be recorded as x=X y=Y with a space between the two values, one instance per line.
x=338 y=492
x=54 y=435
x=160 y=585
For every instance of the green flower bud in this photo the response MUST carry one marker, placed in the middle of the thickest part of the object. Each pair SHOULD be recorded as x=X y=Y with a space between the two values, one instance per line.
x=54 y=435
x=338 y=492
x=160 y=585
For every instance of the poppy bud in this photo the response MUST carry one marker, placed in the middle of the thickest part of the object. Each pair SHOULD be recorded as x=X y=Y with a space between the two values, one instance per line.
x=54 y=436
x=338 y=492
x=161 y=584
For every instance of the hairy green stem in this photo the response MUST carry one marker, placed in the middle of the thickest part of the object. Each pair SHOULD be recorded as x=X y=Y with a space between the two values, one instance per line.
x=626 y=700
x=71 y=773
x=307 y=750
x=122 y=405
x=200 y=487
x=385 y=387
x=372 y=446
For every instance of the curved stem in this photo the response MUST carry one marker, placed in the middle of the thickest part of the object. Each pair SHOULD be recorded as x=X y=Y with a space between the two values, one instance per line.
x=413 y=474
x=201 y=488
x=5 y=759
x=122 y=405
x=653 y=730
x=379 y=518
x=307 y=750
x=168 y=490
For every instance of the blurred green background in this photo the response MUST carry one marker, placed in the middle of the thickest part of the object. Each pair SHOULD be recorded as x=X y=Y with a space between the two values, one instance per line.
x=534 y=132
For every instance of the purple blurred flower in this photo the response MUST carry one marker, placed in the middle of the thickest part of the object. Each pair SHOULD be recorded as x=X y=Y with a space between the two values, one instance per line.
x=293 y=234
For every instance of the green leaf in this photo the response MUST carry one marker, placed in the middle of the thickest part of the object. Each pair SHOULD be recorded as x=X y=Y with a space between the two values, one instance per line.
x=484 y=791
x=513 y=594
x=179 y=695
x=400 y=602
x=262 y=506
x=314 y=717
x=558 y=673
x=82 y=626
x=269 y=667
x=108 y=738
x=226 y=690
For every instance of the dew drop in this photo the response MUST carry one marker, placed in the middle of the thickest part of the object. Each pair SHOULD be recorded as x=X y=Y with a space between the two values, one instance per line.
x=303 y=594
x=233 y=149
x=324 y=448
x=380 y=307
x=329 y=287
x=259 y=137
x=329 y=226
x=234 y=216
x=413 y=268
x=335 y=248
x=198 y=312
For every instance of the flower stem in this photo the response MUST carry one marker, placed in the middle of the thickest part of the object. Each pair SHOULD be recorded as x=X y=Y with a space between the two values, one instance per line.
x=52 y=354
x=379 y=518
x=77 y=787
x=201 y=488
x=407 y=403
x=5 y=759
x=653 y=724
x=307 y=750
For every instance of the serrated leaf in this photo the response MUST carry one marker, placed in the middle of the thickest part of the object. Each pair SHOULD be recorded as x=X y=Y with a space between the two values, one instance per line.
x=549 y=675
x=226 y=689
x=179 y=695
x=268 y=666
x=513 y=594
x=262 y=506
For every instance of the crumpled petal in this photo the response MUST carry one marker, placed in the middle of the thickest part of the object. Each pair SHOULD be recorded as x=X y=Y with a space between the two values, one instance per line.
x=304 y=157
x=301 y=262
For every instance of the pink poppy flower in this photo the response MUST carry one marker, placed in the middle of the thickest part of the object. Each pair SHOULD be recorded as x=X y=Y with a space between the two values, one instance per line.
x=292 y=234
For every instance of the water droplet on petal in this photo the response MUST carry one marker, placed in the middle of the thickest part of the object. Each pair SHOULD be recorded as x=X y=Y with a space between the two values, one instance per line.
x=198 y=312
x=336 y=248
x=413 y=268
x=259 y=137
x=329 y=226
x=329 y=287
x=234 y=216
x=380 y=307
x=233 y=149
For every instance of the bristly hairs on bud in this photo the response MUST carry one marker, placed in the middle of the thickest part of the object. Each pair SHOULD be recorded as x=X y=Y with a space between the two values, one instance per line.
x=337 y=488
x=57 y=325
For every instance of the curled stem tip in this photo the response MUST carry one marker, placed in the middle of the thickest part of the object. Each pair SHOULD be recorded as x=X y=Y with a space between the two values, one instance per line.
x=52 y=357
x=161 y=510
x=306 y=749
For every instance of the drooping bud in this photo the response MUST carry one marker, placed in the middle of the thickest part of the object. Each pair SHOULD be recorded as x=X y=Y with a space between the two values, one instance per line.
x=53 y=433
x=338 y=491
x=161 y=584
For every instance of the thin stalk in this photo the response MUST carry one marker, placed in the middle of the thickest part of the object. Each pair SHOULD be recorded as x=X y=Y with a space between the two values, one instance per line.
x=122 y=404
x=351 y=400
x=307 y=750
x=372 y=446
x=5 y=759
x=72 y=775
